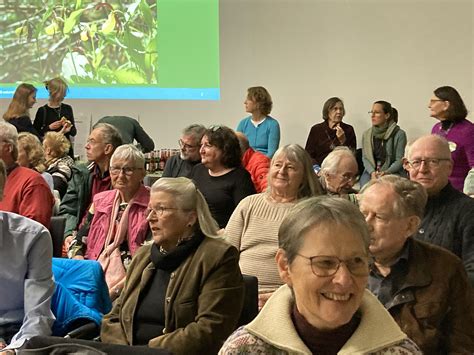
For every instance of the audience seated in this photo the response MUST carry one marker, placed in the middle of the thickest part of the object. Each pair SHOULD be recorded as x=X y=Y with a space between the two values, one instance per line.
x=116 y=222
x=448 y=107
x=332 y=132
x=423 y=286
x=181 y=164
x=256 y=163
x=220 y=175
x=56 y=116
x=26 y=279
x=26 y=192
x=130 y=130
x=31 y=155
x=262 y=130
x=383 y=145
x=58 y=163
x=18 y=112
x=188 y=276
x=324 y=307
x=449 y=214
x=253 y=227
x=338 y=173
x=88 y=180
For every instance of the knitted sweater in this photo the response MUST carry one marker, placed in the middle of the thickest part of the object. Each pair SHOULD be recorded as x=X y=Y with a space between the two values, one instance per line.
x=253 y=230
x=265 y=137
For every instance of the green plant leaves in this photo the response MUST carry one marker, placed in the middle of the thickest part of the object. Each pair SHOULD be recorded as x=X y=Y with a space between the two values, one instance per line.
x=130 y=76
x=72 y=21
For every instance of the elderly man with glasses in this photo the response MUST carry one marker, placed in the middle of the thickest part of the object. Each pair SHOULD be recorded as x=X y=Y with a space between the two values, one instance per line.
x=424 y=287
x=189 y=143
x=449 y=214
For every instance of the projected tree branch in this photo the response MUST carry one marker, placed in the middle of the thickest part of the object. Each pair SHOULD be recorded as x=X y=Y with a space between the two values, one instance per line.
x=85 y=42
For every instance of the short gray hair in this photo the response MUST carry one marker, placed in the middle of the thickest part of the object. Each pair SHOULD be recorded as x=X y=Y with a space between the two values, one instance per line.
x=295 y=153
x=316 y=211
x=195 y=130
x=188 y=197
x=9 y=134
x=411 y=195
x=331 y=162
x=439 y=141
x=129 y=152
x=110 y=134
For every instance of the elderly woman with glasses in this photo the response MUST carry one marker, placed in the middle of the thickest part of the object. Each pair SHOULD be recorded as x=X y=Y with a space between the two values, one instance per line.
x=184 y=291
x=220 y=176
x=383 y=145
x=253 y=227
x=324 y=308
x=116 y=224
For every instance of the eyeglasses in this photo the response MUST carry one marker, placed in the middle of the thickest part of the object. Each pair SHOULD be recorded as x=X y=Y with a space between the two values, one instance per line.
x=215 y=128
x=431 y=162
x=115 y=170
x=347 y=177
x=183 y=145
x=375 y=112
x=324 y=266
x=158 y=212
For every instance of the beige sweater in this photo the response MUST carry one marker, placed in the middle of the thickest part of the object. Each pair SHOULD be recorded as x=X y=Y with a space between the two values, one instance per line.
x=253 y=230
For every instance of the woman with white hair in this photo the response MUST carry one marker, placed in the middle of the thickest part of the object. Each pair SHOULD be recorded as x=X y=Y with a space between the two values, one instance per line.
x=116 y=224
x=184 y=291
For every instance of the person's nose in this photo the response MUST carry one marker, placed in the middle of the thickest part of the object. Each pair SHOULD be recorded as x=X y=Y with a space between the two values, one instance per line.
x=343 y=276
x=423 y=166
x=369 y=220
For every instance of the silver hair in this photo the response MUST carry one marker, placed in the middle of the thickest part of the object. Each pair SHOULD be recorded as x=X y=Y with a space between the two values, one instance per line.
x=129 y=152
x=295 y=153
x=188 y=197
x=196 y=131
x=331 y=162
x=320 y=211
x=439 y=141
x=9 y=134
x=110 y=134
x=411 y=195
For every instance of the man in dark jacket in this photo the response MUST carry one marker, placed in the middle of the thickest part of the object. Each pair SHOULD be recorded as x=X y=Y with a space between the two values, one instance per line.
x=449 y=214
x=424 y=287
x=189 y=143
x=87 y=180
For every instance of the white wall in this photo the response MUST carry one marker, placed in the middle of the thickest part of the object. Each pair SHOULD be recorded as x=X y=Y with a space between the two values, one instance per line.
x=305 y=51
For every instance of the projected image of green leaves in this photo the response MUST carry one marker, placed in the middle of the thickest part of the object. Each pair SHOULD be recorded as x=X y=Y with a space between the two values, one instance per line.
x=86 y=42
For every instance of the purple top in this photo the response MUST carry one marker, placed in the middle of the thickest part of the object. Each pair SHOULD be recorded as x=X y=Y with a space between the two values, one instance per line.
x=461 y=142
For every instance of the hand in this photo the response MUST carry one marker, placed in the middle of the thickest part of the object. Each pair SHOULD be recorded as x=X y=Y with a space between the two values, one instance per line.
x=67 y=242
x=7 y=352
x=262 y=299
x=66 y=128
x=340 y=134
x=373 y=175
x=55 y=125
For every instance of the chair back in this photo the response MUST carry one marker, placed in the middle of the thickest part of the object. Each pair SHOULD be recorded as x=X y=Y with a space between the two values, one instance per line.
x=56 y=229
x=250 y=309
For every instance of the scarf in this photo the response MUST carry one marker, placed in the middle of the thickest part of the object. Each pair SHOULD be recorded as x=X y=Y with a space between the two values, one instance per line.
x=117 y=231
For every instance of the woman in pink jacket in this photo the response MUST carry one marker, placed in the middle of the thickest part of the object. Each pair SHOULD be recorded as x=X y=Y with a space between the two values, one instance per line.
x=116 y=224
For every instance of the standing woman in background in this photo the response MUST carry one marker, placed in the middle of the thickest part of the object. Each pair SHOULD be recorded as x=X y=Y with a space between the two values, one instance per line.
x=448 y=107
x=55 y=115
x=262 y=131
x=331 y=133
x=18 y=112
x=383 y=145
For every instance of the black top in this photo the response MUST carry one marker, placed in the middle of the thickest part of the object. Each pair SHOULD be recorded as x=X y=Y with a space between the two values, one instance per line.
x=23 y=124
x=47 y=115
x=223 y=193
x=175 y=167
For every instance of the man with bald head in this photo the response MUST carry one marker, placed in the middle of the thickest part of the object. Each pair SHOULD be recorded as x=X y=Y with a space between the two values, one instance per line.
x=449 y=214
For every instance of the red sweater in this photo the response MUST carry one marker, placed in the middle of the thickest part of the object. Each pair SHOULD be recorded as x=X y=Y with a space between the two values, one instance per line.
x=257 y=164
x=27 y=193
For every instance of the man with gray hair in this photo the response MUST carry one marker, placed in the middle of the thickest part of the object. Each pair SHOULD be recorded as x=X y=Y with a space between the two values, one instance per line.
x=89 y=179
x=26 y=191
x=26 y=278
x=189 y=143
x=424 y=287
x=449 y=214
x=339 y=171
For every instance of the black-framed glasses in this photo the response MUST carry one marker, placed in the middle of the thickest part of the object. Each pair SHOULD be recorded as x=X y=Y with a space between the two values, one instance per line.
x=183 y=145
x=115 y=170
x=158 y=212
x=326 y=265
x=430 y=162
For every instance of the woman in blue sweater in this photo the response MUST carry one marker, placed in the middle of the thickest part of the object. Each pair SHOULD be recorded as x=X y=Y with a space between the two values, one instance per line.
x=262 y=131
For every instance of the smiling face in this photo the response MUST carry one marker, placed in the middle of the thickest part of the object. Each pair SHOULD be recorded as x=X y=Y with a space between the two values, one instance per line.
x=189 y=148
x=173 y=224
x=388 y=231
x=331 y=301
x=211 y=156
x=121 y=181
x=286 y=176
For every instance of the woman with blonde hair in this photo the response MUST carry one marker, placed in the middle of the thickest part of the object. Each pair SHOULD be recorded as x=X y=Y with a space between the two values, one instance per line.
x=55 y=115
x=18 y=111
x=58 y=163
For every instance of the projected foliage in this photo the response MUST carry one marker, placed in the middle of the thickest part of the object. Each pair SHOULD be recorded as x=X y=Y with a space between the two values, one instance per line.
x=113 y=42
